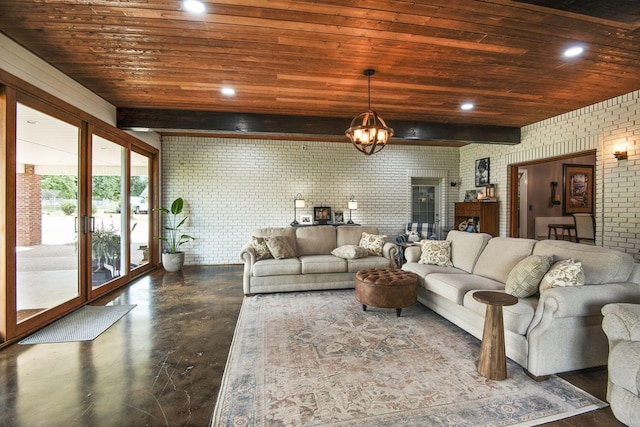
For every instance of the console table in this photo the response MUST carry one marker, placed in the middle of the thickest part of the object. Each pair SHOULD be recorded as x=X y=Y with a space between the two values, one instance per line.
x=483 y=213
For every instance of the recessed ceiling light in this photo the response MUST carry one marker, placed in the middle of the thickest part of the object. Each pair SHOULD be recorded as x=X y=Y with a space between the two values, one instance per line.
x=228 y=91
x=467 y=106
x=573 y=51
x=194 y=6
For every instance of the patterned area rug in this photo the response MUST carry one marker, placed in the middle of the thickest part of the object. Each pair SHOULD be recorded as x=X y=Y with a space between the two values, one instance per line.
x=84 y=324
x=316 y=359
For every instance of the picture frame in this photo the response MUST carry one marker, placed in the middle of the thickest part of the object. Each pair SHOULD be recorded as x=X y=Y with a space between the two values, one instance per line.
x=482 y=172
x=306 y=219
x=338 y=217
x=578 y=189
x=470 y=195
x=322 y=214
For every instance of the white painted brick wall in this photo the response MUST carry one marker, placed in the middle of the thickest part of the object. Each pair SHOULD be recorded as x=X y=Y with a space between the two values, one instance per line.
x=600 y=126
x=233 y=186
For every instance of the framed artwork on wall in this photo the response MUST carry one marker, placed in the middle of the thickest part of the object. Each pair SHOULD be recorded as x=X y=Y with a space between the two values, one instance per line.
x=482 y=172
x=578 y=189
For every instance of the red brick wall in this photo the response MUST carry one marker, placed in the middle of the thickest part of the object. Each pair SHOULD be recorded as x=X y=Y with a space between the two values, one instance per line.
x=29 y=207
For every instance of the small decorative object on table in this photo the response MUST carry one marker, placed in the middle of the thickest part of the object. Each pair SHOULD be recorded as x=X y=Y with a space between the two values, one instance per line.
x=338 y=217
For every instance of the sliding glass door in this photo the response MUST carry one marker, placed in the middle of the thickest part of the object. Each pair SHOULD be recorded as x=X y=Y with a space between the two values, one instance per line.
x=78 y=217
x=47 y=201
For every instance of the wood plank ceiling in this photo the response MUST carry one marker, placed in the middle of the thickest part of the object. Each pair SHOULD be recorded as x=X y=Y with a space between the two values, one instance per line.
x=297 y=61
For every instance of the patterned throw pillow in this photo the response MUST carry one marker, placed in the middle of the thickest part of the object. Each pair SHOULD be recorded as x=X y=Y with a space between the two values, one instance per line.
x=436 y=252
x=280 y=247
x=350 y=252
x=563 y=273
x=373 y=243
x=260 y=247
x=524 y=279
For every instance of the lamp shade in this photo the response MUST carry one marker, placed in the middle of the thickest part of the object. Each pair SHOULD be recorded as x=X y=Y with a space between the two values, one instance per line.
x=353 y=204
x=300 y=203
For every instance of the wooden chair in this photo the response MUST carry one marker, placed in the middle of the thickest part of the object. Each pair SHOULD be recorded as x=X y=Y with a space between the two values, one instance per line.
x=585 y=227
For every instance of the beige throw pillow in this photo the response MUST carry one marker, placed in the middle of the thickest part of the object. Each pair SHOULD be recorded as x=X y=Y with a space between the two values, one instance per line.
x=280 y=247
x=260 y=247
x=350 y=252
x=563 y=273
x=373 y=243
x=524 y=278
x=436 y=252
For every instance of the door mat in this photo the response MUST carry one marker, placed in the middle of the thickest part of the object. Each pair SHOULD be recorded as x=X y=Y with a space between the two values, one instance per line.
x=84 y=324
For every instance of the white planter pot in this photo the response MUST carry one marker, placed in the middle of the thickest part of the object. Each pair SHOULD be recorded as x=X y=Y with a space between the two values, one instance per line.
x=173 y=262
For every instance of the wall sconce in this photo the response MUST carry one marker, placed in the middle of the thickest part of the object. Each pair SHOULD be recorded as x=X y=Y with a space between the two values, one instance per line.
x=620 y=152
x=555 y=196
x=298 y=202
x=353 y=204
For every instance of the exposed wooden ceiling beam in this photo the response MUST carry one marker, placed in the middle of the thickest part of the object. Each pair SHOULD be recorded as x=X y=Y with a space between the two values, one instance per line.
x=275 y=124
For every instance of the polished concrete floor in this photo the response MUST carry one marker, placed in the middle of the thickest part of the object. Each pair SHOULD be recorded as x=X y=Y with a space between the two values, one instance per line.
x=160 y=365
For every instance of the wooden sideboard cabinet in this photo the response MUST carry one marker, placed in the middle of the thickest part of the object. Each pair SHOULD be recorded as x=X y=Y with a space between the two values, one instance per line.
x=470 y=214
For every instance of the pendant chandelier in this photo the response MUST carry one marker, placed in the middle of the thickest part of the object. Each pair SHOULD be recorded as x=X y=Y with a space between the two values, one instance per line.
x=368 y=132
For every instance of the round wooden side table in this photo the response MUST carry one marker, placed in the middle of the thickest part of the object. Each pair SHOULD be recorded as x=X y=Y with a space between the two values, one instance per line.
x=493 y=360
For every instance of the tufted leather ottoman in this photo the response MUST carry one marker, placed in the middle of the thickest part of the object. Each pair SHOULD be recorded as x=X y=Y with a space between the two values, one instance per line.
x=386 y=288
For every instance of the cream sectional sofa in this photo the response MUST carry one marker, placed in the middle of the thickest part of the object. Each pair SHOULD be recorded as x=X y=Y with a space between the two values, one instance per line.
x=557 y=331
x=313 y=267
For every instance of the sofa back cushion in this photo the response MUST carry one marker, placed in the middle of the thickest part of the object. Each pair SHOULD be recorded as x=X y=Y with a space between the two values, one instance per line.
x=316 y=240
x=600 y=265
x=288 y=232
x=351 y=234
x=466 y=247
x=500 y=256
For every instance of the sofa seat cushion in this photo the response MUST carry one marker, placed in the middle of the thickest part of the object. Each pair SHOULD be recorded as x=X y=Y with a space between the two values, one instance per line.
x=277 y=267
x=455 y=286
x=323 y=264
x=624 y=366
x=517 y=318
x=355 y=265
x=423 y=270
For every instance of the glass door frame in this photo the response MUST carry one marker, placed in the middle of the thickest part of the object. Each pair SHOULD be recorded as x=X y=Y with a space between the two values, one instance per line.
x=11 y=279
x=12 y=92
x=127 y=274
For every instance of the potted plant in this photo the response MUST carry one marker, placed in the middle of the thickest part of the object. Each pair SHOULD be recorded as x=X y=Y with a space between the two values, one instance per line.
x=172 y=258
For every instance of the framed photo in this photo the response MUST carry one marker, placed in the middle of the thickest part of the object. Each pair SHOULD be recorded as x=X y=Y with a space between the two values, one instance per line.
x=306 y=219
x=578 y=189
x=470 y=195
x=482 y=172
x=338 y=217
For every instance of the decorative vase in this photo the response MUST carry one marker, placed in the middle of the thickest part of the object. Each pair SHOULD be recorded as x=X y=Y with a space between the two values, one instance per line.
x=173 y=262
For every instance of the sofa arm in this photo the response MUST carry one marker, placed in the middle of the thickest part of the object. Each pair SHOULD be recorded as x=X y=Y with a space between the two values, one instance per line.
x=587 y=300
x=621 y=322
x=413 y=253
x=248 y=256
x=391 y=251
